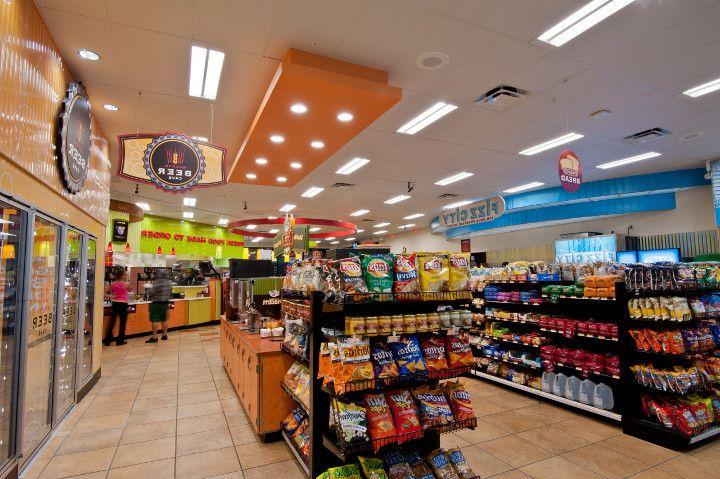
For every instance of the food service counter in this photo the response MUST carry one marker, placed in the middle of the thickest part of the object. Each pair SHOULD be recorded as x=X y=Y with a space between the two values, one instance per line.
x=181 y=313
x=256 y=366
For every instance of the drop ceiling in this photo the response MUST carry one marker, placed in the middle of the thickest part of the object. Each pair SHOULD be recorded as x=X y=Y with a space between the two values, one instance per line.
x=635 y=64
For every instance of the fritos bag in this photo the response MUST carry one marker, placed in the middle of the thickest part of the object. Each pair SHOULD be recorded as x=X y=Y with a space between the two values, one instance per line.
x=404 y=413
x=406 y=274
x=459 y=271
x=379 y=419
x=460 y=402
x=355 y=358
x=434 y=272
x=384 y=365
x=459 y=352
x=352 y=277
x=378 y=272
x=433 y=348
x=408 y=355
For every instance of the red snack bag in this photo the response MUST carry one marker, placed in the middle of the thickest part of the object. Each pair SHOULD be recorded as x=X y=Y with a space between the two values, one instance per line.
x=379 y=419
x=433 y=348
x=460 y=402
x=406 y=274
x=458 y=352
x=405 y=415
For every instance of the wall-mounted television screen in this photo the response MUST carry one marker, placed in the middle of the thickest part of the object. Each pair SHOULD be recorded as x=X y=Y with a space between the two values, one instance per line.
x=671 y=255
x=627 y=257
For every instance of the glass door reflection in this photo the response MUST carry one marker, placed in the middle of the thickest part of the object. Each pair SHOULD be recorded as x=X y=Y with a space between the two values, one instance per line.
x=85 y=330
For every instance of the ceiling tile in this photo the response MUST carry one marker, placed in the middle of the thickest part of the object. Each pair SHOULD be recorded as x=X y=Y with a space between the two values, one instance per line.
x=174 y=17
x=87 y=8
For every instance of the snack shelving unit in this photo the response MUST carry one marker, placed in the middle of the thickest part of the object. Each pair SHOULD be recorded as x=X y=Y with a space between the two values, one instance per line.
x=326 y=448
x=606 y=310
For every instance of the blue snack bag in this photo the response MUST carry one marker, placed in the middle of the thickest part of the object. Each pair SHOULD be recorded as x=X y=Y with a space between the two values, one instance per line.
x=408 y=355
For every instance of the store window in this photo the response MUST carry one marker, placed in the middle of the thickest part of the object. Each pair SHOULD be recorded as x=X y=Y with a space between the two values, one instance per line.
x=86 y=328
x=39 y=331
x=12 y=236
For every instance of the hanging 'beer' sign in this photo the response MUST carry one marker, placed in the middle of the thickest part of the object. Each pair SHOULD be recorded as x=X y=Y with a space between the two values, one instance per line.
x=75 y=137
x=171 y=161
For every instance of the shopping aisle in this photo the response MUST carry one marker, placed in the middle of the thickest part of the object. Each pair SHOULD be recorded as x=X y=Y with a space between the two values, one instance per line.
x=148 y=416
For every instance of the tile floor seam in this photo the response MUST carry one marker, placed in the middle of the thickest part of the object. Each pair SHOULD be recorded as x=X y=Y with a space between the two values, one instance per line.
x=227 y=423
x=177 y=409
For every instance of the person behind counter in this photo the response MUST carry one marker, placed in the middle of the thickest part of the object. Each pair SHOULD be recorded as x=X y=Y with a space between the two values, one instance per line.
x=160 y=295
x=119 y=296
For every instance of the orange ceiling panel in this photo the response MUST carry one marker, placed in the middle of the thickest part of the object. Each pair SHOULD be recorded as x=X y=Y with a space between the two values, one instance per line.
x=327 y=87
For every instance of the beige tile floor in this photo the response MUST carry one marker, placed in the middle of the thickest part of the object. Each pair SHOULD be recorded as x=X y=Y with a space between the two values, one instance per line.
x=149 y=417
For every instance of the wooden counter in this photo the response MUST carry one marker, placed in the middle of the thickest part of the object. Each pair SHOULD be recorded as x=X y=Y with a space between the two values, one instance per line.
x=256 y=366
x=181 y=313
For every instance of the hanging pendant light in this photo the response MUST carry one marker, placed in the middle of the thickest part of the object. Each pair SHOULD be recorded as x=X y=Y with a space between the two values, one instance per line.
x=172 y=251
x=159 y=250
x=127 y=247
x=108 y=249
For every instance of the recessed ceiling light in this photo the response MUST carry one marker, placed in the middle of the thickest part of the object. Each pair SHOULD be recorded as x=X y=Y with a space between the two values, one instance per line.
x=277 y=138
x=223 y=221
x=261 y=161
x=345 y=116
x=560 y=140
x=314 y=229
x=274 y=230
x=380 y=225
x=429 y=116
x=380 y=232
x=396 y=199
x=581 y=20
x=703 y=89
x=632 y=159
x=405 y=226
x=256 y=240
x=359 y=212
x=200 y=138
x=272 y=217
x=453 y=178
x=189 y=201
x=89 y=55
x=457 y=204
x=317 y=144
x=205 y=69
x=352 y=238
x=143 y=206
x=524 y=187
x=352 y=165
x=432 y=60
x=359 y=231
x=250 y=176
x=312 y=191
x=413 y=216
x=330 y=238
x=298 y=108
x=110 y=107
x=188 y=214
x=296 y=165
x=334 y=242
x=287 y=208
x=251 y=227
x=281 y=179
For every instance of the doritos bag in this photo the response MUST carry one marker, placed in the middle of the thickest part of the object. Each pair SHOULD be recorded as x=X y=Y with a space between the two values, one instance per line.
x=433 y=348
x=459 y=353
x=408 y=355
x=383 y=363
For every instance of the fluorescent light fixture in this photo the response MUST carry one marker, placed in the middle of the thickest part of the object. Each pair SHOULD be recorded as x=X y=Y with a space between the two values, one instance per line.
x=256 y=240
x=200 y=138
x=334 y=242
x=298 y=108
x=250 y=176
x=287 y=208
x=274 y=230
x=89 y=55
x=251 y=227
x=453 y=178
x=281 y=179
x=272 y=217
x=352 y=238
x=352 y=165
x=429 y=116
x=314 y=229
x=359 y=231
x=261 y=161
x=223 y=221
x=413 y=216
x=703 y=89
x=143 y=206
x=205 y=69
x=380 y=232
x=317 y=144
x=188 y=215
x=581 y=20
x=359 y=212
x=345 y=116
x=397 y=199
x=457 y=204
x=110 y=107
x=317 y=240
x=296 y=165
x=380 y=225
x=408 y=225
x=189 y=201
x=632 y=159
x=560 y=140
x=277 y=138
x=330 y=238
x=312 y=191
x=524 y=187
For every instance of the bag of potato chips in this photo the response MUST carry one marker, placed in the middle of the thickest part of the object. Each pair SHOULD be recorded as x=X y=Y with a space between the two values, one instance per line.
x=404 y=412
x=406 y=274
x=460 y=402
x=352 y=277
x=434 y=272
x=378 y=272
x=459 y=271
x=380 y=422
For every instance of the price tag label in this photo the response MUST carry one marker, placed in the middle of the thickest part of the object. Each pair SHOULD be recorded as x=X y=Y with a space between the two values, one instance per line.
x=394 y=338
x=355 y=339
x=453 y=331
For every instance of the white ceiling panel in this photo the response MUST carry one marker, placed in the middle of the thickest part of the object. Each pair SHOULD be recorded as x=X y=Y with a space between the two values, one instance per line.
x=86 y=8
x=174 y=17
x=124 y=98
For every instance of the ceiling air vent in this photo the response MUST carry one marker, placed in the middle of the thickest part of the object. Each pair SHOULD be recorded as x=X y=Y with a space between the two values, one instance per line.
x=501 y=97
x=343 y=185
x=447 y=195
x=646 y=136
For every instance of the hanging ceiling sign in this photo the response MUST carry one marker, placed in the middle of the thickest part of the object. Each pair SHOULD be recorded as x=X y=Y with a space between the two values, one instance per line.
x=171 y=161
x=75 y=137
x=570 y=171
x=477 y=212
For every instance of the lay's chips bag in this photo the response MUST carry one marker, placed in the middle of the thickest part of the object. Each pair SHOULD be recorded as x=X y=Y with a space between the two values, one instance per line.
x=406 y=274
x=434 y=272
x=378 y=272
x=459 y=271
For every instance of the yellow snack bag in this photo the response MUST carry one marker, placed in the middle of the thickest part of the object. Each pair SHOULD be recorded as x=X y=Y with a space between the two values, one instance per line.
x=459 y=271
x=434 y=272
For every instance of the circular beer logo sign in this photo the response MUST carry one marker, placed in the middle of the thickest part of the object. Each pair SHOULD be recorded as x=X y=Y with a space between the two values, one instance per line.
x=570 y=171
x=174 y=162
x=75 y=137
